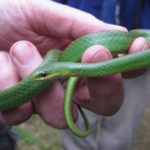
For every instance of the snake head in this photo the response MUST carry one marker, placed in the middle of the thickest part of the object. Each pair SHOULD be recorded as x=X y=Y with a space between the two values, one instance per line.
x=41 y=75
x=55 y=70
x=46 y=72
x=44 y=75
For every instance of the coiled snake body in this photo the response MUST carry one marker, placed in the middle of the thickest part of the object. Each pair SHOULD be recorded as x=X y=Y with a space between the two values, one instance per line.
x=63 y=64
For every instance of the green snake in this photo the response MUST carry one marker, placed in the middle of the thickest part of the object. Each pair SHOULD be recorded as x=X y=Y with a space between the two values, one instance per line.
x=66 y=64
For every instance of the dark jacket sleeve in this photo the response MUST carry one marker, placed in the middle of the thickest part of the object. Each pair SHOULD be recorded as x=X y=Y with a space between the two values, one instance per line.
x=129 y=13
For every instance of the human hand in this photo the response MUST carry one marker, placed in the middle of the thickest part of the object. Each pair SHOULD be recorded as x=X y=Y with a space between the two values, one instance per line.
x=48 y=25
x=138 y=44
x=105 y=95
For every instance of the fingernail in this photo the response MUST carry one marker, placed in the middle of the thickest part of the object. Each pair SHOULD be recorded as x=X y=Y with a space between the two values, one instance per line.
x=96 y=53
x=23 y=52
x=101 y=55
x=145 y=46
x=141 y=45
x=3 y=58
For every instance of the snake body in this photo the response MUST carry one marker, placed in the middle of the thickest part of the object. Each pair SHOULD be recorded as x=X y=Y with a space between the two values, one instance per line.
x=62 y=64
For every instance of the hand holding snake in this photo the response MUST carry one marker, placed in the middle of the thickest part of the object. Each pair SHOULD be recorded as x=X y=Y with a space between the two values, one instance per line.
x=48 y=105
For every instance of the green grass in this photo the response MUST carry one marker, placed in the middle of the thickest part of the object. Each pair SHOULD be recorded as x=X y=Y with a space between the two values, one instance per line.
x=36 y=135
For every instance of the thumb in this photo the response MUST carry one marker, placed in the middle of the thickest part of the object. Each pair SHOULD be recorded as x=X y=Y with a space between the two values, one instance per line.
x=25 y=56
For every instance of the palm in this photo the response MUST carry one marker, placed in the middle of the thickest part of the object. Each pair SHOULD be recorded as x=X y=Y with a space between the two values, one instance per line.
x=19 y=25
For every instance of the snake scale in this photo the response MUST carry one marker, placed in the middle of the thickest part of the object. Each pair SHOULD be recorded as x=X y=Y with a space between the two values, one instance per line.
x=66 y=65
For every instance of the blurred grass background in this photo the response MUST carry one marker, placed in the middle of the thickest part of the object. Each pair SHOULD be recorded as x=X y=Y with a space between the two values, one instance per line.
x=36 y=135
x=142 y=141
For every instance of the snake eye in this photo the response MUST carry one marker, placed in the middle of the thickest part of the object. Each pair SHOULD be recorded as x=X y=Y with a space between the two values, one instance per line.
x=43 y=74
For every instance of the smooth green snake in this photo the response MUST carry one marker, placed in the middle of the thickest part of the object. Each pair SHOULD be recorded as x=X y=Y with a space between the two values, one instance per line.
x=66 y=64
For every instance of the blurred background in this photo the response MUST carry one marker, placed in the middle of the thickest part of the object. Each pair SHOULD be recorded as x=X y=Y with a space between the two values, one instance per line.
x=36 y=135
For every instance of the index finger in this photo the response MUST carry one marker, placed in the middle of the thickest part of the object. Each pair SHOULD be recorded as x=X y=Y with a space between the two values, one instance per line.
x=63 y=21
